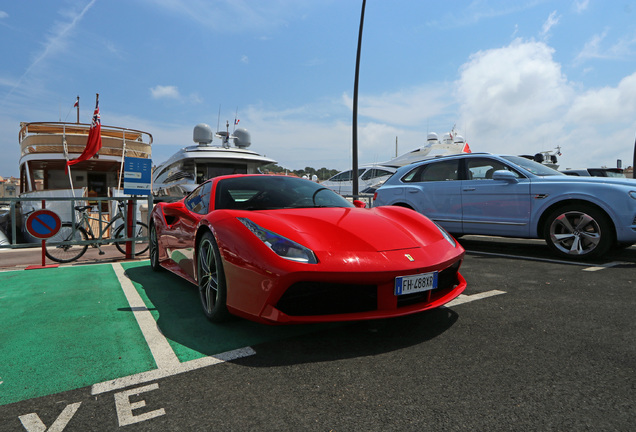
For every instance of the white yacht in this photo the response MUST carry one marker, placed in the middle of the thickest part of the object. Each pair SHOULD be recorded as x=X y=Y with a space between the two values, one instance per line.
x=192 y=165
x=451 y=143
x=368 y=177
x=371 y=176
x=46 y=146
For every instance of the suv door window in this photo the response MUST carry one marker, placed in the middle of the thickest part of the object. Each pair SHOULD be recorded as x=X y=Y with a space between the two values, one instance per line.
x=435 y=171
x=483 y=168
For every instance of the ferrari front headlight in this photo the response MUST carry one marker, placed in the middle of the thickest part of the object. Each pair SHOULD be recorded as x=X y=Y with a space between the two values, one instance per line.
x=449 y=238
x=282 y=246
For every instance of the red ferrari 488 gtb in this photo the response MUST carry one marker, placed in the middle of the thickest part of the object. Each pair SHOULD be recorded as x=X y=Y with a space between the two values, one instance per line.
x=277 y=249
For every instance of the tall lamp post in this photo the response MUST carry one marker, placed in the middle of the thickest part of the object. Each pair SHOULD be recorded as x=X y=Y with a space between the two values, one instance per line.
x=634 y=162
x=354 y=173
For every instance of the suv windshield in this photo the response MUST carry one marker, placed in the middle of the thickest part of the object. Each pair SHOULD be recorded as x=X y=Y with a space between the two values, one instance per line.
x=532 y=166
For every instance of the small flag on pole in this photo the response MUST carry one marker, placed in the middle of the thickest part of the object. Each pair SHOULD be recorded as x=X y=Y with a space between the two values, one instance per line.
x=94 y=141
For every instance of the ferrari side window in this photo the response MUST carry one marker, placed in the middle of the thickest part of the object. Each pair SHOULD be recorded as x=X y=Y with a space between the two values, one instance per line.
x=193 y=199
x=199 y=200
x=205 y=198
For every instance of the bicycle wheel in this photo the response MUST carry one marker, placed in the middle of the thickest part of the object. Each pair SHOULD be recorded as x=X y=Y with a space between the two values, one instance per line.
x=141 y=246
x=68 y=252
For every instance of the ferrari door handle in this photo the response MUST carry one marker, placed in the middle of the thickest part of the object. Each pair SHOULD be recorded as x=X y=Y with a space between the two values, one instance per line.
x=412 y=190
x=468 y=189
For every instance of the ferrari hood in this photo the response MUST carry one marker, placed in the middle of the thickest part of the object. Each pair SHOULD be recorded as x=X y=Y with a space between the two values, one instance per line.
x=349 y=229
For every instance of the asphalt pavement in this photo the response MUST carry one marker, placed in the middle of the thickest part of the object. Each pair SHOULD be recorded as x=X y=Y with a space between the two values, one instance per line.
x=533 y=344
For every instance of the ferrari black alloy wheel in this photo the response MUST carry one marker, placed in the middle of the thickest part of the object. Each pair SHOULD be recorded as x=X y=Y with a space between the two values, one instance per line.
x=211 y=279
x=154 y=249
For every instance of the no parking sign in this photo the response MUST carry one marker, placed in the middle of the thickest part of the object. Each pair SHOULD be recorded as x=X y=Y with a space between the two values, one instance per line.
x=43 y=224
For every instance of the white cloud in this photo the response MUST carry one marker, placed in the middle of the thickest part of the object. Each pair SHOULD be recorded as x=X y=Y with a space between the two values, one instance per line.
x=407 y=107
x=516 y=100
x=194 y=98
x=3 y=15
x=507 y=90
x=56 y=40
x=513 y=100
x=581 y=5
x=297 y=143
x=235 y=15
x=607 y=105
x=591 y=48
x=165 y=92
x=624 y=47
x=245 y=59
x=552 y=20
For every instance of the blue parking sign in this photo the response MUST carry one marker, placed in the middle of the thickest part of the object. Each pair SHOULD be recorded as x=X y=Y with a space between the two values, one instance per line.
x=137 y=176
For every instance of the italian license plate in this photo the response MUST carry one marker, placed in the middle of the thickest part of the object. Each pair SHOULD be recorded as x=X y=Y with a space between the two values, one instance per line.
x=415 y=283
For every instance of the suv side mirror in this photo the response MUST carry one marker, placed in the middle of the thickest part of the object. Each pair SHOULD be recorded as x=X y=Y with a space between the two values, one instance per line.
x=505 y=175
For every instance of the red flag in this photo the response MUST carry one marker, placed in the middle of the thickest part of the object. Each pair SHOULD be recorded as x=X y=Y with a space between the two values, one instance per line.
x=466 y=149
x=94 y=142
x=76 y=104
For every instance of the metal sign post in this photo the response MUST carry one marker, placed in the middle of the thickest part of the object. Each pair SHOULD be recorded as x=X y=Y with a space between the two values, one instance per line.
x=137 y=181
x=43 y=224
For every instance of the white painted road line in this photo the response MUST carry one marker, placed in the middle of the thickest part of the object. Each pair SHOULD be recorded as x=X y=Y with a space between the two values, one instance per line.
x=164 y=356
x=461 y=299
x=32 y=422
x=604 y=266
x=167 y=362
x=155 y=374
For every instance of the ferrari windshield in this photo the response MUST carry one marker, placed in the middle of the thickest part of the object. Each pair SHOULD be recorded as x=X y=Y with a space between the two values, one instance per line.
x=274 y=192
x=532 y=166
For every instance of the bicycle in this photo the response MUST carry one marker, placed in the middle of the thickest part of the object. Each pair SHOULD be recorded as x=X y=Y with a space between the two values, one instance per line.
x=72 y=241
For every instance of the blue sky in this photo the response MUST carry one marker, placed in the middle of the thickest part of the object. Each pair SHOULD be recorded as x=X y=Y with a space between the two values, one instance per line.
x=514 y=77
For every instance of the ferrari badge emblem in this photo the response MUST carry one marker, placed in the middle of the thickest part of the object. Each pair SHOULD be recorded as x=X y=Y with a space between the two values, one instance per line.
x=409 y=257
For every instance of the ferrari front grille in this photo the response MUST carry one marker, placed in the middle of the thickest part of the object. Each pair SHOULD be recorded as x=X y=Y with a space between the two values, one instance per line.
x=320 y=298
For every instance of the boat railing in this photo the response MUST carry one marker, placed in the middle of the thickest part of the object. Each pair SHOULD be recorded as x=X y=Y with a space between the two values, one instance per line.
x=51 y=137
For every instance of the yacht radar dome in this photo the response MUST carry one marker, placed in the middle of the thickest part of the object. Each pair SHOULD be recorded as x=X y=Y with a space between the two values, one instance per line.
x=202 y=134
x=242 y=138
x=432 y=137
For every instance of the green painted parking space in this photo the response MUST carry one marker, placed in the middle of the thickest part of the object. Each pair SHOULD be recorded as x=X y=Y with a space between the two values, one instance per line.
x=72 y=327
x=65 y=328
x=175 y=305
